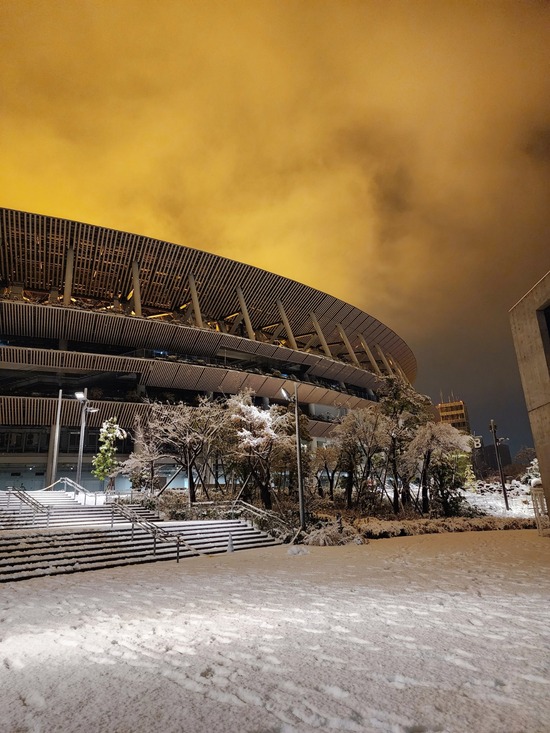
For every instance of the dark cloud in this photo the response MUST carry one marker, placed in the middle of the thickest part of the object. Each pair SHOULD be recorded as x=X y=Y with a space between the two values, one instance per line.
x=394 y=154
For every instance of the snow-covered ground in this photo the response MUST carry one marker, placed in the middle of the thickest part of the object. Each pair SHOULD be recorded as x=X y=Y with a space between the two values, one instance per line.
x=446 y=632
x=490 y=499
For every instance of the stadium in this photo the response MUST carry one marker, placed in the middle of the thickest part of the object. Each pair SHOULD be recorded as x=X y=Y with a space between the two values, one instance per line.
x=128 y=319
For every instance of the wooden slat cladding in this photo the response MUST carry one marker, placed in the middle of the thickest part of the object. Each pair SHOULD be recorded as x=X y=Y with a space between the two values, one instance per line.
x=30 y=411
x=33 y=256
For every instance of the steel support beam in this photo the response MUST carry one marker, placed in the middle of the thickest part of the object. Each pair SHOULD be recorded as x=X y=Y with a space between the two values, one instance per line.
x=286 y=323
x=347 y=344
x=384 y=360
x=69 y=269
x=136 y=298
x=236 y=323
x=320 y=335
x=195 y=300
x=368 y=352
x=246 y=316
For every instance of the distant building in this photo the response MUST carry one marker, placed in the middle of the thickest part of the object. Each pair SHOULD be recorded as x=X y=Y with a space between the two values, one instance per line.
x=490 y=457
x=530 y=321
x=456 y=414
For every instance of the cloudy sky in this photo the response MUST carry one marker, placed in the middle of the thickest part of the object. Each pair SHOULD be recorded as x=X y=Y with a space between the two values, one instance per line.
x=394 y=154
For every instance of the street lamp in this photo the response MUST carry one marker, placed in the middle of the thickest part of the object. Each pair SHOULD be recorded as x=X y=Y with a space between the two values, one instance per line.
x=82 y=397
x=493 y=429
x=298 y=454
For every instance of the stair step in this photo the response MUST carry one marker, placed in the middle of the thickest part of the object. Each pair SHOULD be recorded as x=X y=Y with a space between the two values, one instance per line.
x=37 y=552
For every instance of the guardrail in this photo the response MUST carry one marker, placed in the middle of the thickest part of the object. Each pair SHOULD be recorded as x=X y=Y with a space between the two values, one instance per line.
x=254 y=511
x=25 y=498
x=542 y=519
x=73 y=488
x=153 y=529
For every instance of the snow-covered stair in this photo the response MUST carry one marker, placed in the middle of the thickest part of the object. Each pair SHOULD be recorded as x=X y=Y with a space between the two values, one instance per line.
x=33 y=553
x=64 y=512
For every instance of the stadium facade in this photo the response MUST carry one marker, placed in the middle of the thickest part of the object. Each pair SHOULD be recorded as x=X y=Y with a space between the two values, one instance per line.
x=131 y=319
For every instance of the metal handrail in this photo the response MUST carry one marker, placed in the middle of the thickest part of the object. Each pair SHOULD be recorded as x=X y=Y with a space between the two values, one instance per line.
x=25 y=498
x=262 y=513
x=154 y=530
x=251 y=509
x=74 y=487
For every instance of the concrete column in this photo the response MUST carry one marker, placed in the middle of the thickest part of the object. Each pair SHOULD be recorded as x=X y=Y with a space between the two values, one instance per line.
x=244 y=311
x=136 y=288
x=69 y=270
x=286 y=323
x=195 y=300
x=53 y=446
x=320 y=334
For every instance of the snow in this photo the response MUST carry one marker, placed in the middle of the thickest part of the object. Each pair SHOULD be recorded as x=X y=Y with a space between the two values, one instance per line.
x=446 y=632
x=490 y=499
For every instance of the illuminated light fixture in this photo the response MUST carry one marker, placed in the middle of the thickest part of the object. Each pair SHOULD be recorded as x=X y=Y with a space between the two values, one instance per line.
x=159 y=315
x=130 y=295
x=80 y=396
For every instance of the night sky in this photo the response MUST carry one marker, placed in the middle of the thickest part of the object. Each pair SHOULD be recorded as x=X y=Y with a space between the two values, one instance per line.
x=393 y=154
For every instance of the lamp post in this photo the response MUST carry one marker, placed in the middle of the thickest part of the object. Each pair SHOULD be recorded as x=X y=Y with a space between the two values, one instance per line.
x=82 y=397
x=298 y=455
x=493 y=429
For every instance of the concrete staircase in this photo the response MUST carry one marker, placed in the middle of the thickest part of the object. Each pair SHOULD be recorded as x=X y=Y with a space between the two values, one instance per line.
x=39 y=552
x=59 y=509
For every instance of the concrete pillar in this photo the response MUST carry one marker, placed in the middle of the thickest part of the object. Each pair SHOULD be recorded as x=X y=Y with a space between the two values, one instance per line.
x=53 y=446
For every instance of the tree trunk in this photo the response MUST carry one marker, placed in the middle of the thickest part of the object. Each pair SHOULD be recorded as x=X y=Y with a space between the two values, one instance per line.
x=331 y=475
x=349 y=488
x=406 y=493
x=424 y=482
x=265 y=495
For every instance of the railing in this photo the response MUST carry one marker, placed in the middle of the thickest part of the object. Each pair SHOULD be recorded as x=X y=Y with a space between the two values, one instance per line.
x=231 y=506
x=542 y=519
x=74 y=488
x=152 y=529
x=25 y=498
x=262 y=514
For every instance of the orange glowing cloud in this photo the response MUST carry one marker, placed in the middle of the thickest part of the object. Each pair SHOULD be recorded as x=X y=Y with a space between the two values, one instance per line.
x=394 y=154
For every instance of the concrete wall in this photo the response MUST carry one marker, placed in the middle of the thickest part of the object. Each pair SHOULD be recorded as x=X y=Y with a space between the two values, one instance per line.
x=532 y=343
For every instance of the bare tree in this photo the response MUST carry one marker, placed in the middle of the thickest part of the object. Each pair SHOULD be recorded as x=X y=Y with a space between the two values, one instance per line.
x=185 y=435
x=327 y=462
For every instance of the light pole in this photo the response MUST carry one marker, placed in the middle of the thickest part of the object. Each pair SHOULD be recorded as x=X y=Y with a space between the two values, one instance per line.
x=82 y=397
x=493 y=429
x=298 y=455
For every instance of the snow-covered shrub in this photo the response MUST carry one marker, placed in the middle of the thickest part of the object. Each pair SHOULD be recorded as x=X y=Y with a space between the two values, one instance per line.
x=331 y=534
